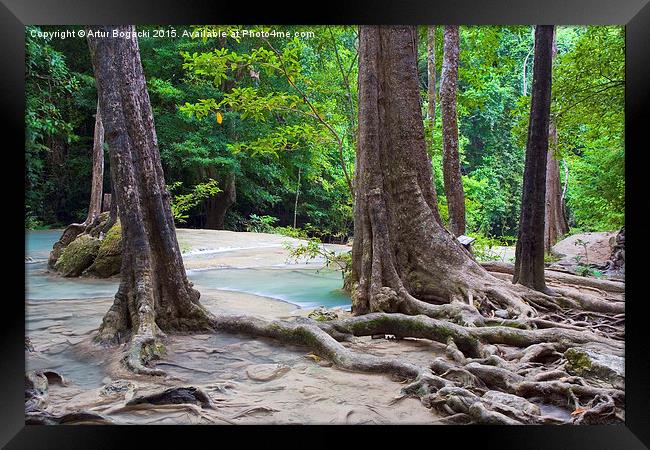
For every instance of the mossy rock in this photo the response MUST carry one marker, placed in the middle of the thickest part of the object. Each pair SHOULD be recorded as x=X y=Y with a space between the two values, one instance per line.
x=96 y=227
x=322 y=315
x=109 y=257
x=592 y=364
x=77 y=256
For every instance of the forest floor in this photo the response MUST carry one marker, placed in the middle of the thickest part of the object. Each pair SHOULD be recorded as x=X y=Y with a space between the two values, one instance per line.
x=246 y=380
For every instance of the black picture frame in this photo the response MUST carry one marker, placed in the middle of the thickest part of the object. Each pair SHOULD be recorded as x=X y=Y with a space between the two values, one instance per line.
x=15 y=14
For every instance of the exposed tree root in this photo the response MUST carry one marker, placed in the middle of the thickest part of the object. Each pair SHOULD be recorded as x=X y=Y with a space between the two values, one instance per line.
x=493 y=366
x=477 y=382
x=563 y=277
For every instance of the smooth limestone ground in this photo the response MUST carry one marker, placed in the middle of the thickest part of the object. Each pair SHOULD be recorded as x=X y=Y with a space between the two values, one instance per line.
x=248 y=380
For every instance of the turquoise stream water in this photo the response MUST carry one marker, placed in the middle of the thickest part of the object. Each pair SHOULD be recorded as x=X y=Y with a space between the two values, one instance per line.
x=306 y=288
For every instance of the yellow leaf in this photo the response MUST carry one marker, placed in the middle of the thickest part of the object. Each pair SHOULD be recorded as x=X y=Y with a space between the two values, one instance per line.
x=219 y=118
x=315 y=358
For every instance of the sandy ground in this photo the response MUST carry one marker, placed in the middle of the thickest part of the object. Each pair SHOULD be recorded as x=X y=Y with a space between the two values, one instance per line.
x=229 y=249
x=247 y=380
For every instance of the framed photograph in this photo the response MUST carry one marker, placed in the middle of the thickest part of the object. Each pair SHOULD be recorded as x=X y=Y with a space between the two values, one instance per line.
x=389 y=214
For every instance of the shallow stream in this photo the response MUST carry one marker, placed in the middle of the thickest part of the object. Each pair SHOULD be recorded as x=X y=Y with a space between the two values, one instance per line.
x=305 y=287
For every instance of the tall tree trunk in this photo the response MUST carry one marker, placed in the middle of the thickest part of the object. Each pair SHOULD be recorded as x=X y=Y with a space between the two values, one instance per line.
x=403 y=258
x=450 y=158
x=218 y=205
x=529 y=254
x=555 y=224
x=431 y=91
x=97 y=184
x=154 y=294
x=524 y=76
x=431 y=72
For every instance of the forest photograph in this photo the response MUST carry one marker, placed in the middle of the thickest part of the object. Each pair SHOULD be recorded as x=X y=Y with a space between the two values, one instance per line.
x=257 y=224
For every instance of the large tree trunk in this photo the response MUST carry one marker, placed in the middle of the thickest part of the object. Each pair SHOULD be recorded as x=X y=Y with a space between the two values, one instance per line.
x=402 y=255
x=154 y=293
x=529 y=254
x=450 y=158
x=216 y=207
x=555 y=224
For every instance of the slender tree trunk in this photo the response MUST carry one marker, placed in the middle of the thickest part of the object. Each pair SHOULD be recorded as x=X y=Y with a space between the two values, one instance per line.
x=106 y=203
x=529 y=254
x=450 y=158
x=95 y=204
x=154 y=294
x=55 y=203
x=431 y=91
x=555 y=224
x=431 y=72
x=295 y=206
x=218 y=205
x=403 y=258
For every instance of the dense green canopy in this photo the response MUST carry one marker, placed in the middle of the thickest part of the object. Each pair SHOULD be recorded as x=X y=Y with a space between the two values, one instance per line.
x=280 y=113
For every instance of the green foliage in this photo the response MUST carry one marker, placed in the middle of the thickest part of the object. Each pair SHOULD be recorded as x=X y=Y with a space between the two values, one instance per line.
x=487 y=248
x=314 y=248
x=297 y=233
x=261 y=224
x=587 y=271
x=182 y=204
x=551 y=258
x=49 y=89
x=279 y=114
x=589 y=99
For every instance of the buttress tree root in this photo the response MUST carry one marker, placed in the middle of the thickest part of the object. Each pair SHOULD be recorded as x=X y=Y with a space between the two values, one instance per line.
x=154 y=295
x=488 y=375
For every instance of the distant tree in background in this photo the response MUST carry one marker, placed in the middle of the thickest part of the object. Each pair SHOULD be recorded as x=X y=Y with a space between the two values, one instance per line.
x=450 y=153
x=555 y=222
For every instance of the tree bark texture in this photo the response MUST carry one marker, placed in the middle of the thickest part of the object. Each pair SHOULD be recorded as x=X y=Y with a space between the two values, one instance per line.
x=450 y=157
x=97 y=184
x=529 y=254
x=555 y=223
x=431 y=72
x=73 y=230
x=217 y=206
x=431 y=92
x=403 y=258
x=106 y=203
x=154 y=293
